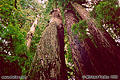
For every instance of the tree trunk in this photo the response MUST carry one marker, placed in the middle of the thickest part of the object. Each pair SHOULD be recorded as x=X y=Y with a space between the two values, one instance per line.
x=80 y=56
x=50 y=61
x=30 y=33
x=16 y=4
x=108 y=50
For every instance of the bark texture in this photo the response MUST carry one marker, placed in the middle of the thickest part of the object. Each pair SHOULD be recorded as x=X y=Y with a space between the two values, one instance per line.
x=49 y=61
x=80 y=56
x=107 y=59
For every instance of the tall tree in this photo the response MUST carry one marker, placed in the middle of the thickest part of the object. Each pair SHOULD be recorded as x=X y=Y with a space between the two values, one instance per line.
x=80 y=56
x=49 y=61
x=31 y=32
x=106 y=45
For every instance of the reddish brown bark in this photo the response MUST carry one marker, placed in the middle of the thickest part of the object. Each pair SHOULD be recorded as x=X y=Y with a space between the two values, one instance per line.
x=107 y=59
x=80 y=56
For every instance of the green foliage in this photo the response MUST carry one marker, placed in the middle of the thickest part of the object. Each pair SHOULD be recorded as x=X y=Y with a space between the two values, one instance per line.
x=80 y=29
x=16 y=37
x=36 y=38
x=106 y=13
x=68 y=55
x=14 y=25
x=49 y=6
x=11 y=34
x=105 y=10
x=8 y=12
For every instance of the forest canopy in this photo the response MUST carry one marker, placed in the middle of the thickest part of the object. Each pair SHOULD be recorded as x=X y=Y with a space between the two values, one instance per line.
x=59 y=39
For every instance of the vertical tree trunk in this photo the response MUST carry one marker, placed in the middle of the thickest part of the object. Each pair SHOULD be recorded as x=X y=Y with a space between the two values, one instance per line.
x=80 y=56
x=108 y=50
x=30 y=33
x=50 y=60
x=16 y=4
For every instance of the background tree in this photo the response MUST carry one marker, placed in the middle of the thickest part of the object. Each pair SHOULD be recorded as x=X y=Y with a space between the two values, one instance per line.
x=30 y=33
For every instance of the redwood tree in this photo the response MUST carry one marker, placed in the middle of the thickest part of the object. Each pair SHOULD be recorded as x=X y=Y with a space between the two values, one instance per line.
x=80 y=56
x=49 y=61
x=108 y=50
